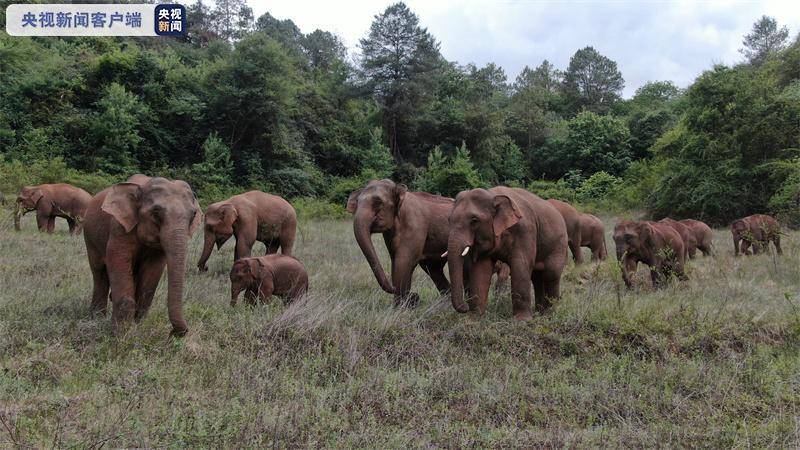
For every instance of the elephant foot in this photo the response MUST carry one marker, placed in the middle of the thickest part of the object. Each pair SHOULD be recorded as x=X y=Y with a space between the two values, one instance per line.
x=178 y=332
x=410 y=300
x=523 y=316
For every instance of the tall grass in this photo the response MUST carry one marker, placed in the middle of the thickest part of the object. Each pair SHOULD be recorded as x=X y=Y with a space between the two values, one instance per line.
x=711 y=362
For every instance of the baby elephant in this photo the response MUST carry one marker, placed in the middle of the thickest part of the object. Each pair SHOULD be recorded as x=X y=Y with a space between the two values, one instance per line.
x=261 y=277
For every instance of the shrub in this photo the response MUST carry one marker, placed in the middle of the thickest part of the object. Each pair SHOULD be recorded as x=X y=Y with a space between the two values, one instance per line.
x=559 y=190
x=449 y=176
x=599 y=186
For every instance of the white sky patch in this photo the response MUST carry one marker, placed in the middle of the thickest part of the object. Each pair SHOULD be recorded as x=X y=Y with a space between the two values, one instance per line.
x=659 y=40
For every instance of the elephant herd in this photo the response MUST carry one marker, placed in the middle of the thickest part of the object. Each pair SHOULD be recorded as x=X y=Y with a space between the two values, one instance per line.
x=135 y=229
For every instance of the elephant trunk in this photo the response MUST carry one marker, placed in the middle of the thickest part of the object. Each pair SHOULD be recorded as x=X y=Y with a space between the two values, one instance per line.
x=235 y=291
x=175 y=249
x=456 y=252
x=208 y=246
x=361 y=229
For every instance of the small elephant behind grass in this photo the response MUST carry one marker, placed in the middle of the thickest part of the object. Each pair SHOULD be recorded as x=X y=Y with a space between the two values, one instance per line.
x=265 y=276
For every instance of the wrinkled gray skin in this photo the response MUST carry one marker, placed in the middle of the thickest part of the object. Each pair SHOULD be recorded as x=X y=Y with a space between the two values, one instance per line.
x=132 y=231
x=513 y=226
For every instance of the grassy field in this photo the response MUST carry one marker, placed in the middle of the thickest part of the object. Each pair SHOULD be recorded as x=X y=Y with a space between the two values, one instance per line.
x=712 y=362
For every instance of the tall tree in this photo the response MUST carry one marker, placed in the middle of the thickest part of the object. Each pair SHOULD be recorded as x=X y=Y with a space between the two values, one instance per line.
x=233 y=19
x=764 y=40
x=397 y=55
x=592 y=82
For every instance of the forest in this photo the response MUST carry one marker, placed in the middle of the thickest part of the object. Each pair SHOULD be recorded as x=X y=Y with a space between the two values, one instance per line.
x=244 y=102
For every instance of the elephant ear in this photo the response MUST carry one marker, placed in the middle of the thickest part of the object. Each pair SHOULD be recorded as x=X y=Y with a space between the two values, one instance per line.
x=197 y=220
x=36 y=195
x=122 y=203
x=352 y=201
x=255 y=266
x=229 y=214
x=506 y=214
x=400 y=191
x=646 y=233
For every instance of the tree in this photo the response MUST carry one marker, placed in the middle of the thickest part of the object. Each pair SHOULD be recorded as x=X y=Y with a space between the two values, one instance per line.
x=325 y=50
x=232 y=19
x=765 y=40
x=396 y=56
x=590 y=143
x=449 y=176
x=591 y=82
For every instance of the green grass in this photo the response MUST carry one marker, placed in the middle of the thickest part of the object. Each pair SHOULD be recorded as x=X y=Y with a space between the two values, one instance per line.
x=712 y=362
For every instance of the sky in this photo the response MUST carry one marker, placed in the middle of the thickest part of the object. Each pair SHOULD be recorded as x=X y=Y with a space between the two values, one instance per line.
x=649 y=40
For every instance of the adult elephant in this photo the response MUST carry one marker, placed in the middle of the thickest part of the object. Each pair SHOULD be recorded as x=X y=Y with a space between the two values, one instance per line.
x=249 y=217
x=572 y=218
x=513 y=226
x=688 y=237
x=593 y=235
x=756 y=230
x=415 y=230
x=653 y=243
x=132 y=231
x=51 y=201
x=702 y=235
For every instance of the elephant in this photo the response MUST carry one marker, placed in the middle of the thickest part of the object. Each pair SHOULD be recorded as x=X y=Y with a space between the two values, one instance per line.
x=573 y=221
x=656 y=244
x=702 y=235
x=265 y=276
x=756 y=230
x=503 y=273
x=132 y=231
x=51 y=201
x=593 y=235
x=415 y=230
x=689 y=239
x=510 y=225
x=250 y=217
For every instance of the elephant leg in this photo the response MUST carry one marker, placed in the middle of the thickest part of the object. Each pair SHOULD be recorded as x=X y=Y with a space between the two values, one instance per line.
x=41 y=221
x=265 y=291
x=435 y=270
x=480 y=278
x=655 y=277
x=101 y=285
x=575 y=248
x=272 y=247
x=777 y=241
x=549 y=290
x=243 y=248
x=148 y=275
x=521 y=278
x=403 y=266
x=628 y=270
x=72 y=224
x=250 y=296
x=51 y=224
x=287 y=238
x=122 y=295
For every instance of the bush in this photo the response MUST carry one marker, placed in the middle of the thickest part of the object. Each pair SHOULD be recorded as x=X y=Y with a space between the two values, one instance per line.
x=785 y=204
x=559 y=190
x=308 y=208
x=449 y=176
x=599 y=186
x=16 y=174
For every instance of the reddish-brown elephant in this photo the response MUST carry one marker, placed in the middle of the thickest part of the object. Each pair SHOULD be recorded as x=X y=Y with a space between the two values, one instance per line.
x=264 y=276
x=415 y=230
x=702 y=235
x=572 y=218
x=513 y=226
x=687 y=235
x=132 y=231
x=249 y=217
x=51 y=201
x=593 y=236
x=656 y=244
x=756 y=230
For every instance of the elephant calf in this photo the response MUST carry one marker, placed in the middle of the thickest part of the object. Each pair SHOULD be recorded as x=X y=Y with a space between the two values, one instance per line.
x=265 y=276
x=756 y=230
x=51 y=201
x=652 y=243
x=702 y=234
x=593 y=236
x=687 y=235
x=249 y=217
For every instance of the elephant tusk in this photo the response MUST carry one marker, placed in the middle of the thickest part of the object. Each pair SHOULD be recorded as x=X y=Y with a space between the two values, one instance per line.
x=444 y=255
x=466 y=250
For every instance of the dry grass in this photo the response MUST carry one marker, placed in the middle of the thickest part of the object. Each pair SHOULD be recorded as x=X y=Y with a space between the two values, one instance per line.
x=712 y=362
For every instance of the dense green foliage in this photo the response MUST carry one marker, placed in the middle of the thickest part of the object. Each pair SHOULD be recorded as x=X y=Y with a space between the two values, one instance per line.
x=256 y=103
